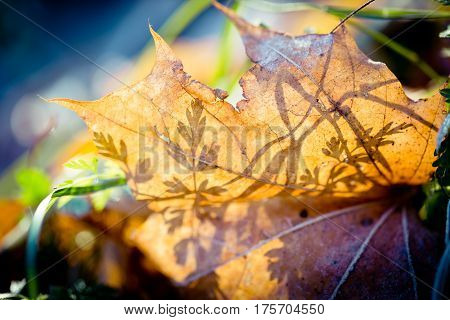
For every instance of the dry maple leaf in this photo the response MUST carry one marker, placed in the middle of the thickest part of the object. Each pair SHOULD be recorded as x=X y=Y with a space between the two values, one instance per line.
x=295 y=192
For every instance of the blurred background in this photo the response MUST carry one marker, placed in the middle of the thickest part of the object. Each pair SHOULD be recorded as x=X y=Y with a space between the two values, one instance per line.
x=86 y=49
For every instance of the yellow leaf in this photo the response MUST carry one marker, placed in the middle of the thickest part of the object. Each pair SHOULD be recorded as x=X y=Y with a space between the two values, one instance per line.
x=322 y=128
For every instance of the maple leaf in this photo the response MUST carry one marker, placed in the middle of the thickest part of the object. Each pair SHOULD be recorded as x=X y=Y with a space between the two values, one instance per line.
x=297 y=188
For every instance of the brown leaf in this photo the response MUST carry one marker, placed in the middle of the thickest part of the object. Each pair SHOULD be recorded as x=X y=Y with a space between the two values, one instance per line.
x=321 y=128
x=280 y=249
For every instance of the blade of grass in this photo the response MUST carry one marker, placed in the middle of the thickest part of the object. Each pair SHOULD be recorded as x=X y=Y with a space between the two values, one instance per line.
x=383 y=13
x=181 y=18
x=225 y=46
x=234 y=79
x=33 y=244
x=77 y=188
x=222 y=77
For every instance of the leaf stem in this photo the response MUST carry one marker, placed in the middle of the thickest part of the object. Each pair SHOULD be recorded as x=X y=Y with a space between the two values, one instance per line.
x=41 y=214
x=351 y=14
x=32 y=246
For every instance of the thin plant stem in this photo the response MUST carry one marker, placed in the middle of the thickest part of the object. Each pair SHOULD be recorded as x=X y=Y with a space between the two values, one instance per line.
x=351 y=14
x=40 y=216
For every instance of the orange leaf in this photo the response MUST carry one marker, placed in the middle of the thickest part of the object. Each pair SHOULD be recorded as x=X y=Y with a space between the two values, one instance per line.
x=322 y=128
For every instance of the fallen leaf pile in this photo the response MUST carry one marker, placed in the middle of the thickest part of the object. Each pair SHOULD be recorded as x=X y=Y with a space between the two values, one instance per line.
x=304 y=189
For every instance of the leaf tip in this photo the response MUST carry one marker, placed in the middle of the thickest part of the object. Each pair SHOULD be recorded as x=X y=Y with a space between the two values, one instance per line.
x=67 y=103
x=152 y=31
x=163 y=50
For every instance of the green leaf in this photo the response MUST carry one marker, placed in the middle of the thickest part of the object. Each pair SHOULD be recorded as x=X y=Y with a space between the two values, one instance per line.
x=440 y=147
x=446 y=93
x=432 y=206
x=83 y=164
x=100 y=199
x=443 y=132
x=34 y=185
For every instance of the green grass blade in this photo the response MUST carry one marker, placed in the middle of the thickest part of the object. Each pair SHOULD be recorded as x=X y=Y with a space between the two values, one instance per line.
x=225 y=52
x=77 y=188
x=368 y=13
x=181 y=18
x=33 y=244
